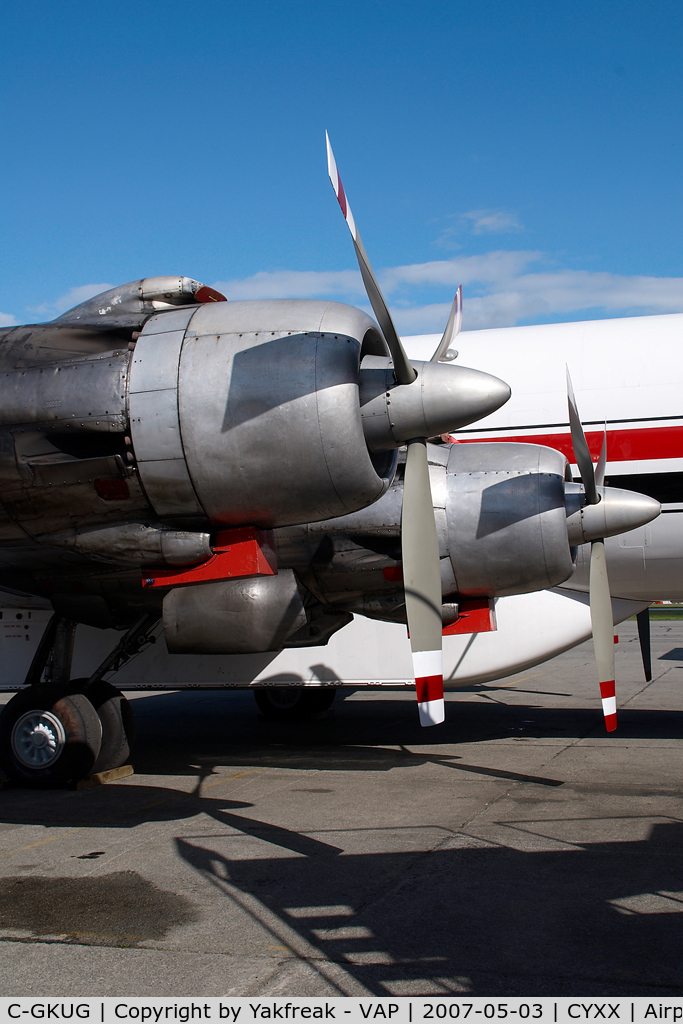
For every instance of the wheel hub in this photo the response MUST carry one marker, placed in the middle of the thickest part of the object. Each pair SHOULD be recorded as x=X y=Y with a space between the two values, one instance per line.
x=38 y=739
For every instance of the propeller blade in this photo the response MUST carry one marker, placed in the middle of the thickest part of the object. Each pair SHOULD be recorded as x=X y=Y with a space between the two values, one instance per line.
x=580 y=445
x=603 y=632
x=422 y=582
x=403 y=371
x=452 y=327
x=602 y=461
x=643 y=620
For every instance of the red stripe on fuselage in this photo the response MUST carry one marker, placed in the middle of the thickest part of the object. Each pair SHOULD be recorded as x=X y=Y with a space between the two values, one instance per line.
x=622 y=445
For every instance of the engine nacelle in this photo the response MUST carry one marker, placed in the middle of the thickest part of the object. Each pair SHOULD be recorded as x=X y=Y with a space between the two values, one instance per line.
x=248 y=412
x=501 y=524
x=506 y=518
x=225 y=414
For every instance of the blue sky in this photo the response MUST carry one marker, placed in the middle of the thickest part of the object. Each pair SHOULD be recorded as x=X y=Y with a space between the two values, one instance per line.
x=531 y=150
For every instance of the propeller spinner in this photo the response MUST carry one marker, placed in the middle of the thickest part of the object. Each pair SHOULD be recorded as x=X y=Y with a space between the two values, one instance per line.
x=420 y=547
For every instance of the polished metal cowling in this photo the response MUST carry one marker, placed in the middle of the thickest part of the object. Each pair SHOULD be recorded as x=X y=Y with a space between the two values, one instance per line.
x=248 y=412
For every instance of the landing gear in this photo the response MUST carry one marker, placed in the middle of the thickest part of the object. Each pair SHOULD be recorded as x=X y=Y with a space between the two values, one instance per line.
x=116 y=719
x=57 y=732
x=49 y=737
x=289 y=703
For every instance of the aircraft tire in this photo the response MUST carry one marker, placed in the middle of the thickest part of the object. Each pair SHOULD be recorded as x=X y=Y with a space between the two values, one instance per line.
x=289 y=703
x=118 y=724
x=49 y=736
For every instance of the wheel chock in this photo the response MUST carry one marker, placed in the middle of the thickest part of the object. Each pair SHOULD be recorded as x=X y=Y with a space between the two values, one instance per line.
x=102 y=778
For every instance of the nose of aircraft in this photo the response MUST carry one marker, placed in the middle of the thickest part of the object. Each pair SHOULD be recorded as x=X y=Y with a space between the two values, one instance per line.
x=442 y=398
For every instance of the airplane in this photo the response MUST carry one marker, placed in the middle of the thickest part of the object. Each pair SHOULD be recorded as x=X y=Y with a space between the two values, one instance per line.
x=231 y=471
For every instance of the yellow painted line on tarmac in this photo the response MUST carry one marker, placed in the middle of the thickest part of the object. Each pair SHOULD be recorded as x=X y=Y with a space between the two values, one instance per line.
x=228 y=778
x=522 y=680
x=42 y=842
x=513 y=682
x=81 y=828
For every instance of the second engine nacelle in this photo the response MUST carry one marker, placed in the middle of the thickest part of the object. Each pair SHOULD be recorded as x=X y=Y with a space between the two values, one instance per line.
x=505 y=518
x=501 y=523
x=240 y=616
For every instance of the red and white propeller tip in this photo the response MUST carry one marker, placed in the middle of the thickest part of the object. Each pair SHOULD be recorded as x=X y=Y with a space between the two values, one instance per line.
x=428 y=669
x=339 y=189
x=609 y=704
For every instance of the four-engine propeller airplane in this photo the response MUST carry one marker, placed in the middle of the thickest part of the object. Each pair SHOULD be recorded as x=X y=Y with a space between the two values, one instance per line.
x=232 y=469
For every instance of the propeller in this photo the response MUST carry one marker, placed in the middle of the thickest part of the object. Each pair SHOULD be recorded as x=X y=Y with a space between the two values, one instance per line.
x=420 y=546
x=452 y=327
x=598 y=586
x=403 y=371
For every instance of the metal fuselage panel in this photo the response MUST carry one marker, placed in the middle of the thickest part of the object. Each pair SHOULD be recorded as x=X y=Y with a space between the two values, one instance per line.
x=62 y=425
x=644 y=564
x=154 y=416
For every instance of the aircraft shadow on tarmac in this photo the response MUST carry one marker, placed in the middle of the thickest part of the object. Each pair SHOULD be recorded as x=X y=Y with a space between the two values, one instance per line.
x=177 y=731
x=601 y=918
x=485 y=920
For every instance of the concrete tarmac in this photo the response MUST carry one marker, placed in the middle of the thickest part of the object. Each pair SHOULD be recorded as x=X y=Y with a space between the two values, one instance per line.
x=516 y=850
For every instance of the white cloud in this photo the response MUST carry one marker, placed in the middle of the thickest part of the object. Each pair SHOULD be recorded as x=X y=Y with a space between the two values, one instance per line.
x=493 y=222
x=70 y=299
x=477 y=222
x=502 y=288
x=347 y=284
x=491 y=269
x=551 y=296
x=294 y=284
x=7 y=320
x=80 y=294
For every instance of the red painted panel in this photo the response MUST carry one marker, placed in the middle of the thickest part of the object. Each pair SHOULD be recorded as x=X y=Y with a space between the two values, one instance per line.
x=112 y=490
x=245 y=551
x=206 y=294
x=476 y=616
